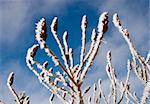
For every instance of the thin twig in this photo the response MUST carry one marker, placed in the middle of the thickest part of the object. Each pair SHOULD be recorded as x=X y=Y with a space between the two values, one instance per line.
x=10 y=81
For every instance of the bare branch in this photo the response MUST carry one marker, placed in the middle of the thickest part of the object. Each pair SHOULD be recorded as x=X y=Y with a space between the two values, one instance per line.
x=19 y=98
x=132 y=48
x=54 y=32
x=10 y=81
x=101 y=29
x=102 y=93
x=146 y=93
x=83 y=27
x=66 y=82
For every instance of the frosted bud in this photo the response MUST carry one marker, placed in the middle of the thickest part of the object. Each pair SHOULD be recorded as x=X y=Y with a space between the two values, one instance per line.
x=84 y=22
x=10 y=79
x=54 y=25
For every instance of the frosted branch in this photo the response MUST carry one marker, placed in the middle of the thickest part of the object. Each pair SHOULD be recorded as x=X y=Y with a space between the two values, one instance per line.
x=66 y=82
x=103 y=21
x=20 y=99
x=146 y=93
x=135 y=54
x=94 y=92
x=112 y=76
x=83 y=27
x=93 y=39
x=41 y=32
x=10 y=81
x=65 y=38
x=101 y=91
x=126 y=83
x=54 y=32
x=86 y=90
x=71 y=59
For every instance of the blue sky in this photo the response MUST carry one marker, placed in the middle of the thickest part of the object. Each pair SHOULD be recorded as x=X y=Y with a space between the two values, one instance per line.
x=17 y=34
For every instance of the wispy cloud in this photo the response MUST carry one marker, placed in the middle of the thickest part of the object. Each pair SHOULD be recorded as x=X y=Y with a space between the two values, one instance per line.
x=17 y=14
x=12 y=18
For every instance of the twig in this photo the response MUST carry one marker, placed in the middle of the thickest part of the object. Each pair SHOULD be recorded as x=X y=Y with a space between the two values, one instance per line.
x=146 y=93
x=112 y=76
x=10 y=81
x=54 y=32
x=132 y=48
x=126 y=83
x=103 y=21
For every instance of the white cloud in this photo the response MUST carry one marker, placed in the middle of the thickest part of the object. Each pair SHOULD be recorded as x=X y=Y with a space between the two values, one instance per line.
x=12 y=18
x=16 y=14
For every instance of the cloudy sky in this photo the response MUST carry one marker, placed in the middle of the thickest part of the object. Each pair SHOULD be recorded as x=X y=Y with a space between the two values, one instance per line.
x=17 y=34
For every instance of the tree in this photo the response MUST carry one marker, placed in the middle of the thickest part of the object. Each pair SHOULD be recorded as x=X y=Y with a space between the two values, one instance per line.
x=66 y=82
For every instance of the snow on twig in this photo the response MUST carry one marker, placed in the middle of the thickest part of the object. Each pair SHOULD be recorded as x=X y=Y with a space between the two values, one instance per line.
x=19 y=98
x=135 y=54
x=103 y=21
x=66 y=84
